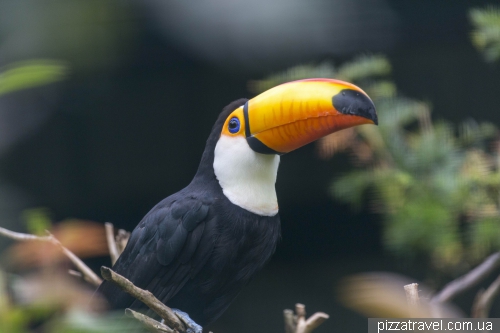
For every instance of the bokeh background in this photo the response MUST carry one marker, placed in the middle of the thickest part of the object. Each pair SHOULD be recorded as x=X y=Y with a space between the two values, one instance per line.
x=105 y=107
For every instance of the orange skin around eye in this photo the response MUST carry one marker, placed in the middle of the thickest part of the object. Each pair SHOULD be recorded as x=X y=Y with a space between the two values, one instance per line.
x=238 y=113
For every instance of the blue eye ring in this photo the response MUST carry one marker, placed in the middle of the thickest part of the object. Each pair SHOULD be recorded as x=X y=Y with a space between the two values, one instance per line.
x=234 y=125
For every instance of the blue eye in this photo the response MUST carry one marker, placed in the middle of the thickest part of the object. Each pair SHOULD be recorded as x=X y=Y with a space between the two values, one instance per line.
x=234 y=125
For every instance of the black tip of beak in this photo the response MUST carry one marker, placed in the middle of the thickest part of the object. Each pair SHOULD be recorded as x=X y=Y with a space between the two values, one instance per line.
x=350 y=101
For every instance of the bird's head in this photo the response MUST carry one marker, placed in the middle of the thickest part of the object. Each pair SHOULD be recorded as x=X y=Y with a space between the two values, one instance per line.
x=257 y=131
x=296 y=113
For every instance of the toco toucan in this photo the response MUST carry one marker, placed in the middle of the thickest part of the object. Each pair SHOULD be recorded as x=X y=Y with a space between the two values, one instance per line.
x=197 y=248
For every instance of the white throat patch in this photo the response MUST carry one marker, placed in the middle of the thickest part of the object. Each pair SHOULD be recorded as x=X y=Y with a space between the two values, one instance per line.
x=247 y=178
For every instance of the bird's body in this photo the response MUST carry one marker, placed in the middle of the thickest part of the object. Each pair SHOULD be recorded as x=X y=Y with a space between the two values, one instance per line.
x=197 y=248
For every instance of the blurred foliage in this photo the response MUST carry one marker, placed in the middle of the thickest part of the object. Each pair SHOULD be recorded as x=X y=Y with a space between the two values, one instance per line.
x=29 y=74
x=84 y=238
x=365 y=65
x=90 y=35
x=437 y=187
x=486 y=33
x=49 y=300
x=53 y=304
x=37 y=220
x=44 y=297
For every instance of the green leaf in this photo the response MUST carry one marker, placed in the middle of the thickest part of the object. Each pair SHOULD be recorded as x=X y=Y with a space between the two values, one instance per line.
x=29 y=74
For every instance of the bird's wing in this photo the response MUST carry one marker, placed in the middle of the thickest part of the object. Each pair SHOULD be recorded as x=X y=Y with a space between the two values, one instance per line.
x=169 y=246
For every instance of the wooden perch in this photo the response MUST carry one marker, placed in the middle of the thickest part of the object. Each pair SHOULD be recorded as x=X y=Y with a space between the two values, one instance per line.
x=146 y=297
x=293 y=323
x=87 y=273
x=298 y=324
x=468 y=280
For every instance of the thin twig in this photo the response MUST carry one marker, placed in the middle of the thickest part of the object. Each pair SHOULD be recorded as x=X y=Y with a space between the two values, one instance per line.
x=148 y=321
x=314 y=321
x=468 y=280
x=75 y=273
x=112 y=246
x=411 y=291
x=307 y=326
x=88 y=274
x=484 y=299
x=412 y=298
x=23 y=237
x=122 y=239
x=146 y=297
x=290 y=322
x=300 y=311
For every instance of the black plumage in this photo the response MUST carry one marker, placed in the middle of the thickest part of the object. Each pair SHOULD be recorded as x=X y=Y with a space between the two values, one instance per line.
x=195 y=250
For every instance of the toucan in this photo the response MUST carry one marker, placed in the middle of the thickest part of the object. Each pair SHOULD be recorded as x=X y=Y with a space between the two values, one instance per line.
x=196 y=249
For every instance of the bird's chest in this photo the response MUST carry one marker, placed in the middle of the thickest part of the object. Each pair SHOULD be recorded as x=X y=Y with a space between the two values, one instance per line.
x=244 y=247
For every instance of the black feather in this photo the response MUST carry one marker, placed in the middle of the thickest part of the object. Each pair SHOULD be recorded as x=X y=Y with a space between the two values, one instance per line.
x=195 y=250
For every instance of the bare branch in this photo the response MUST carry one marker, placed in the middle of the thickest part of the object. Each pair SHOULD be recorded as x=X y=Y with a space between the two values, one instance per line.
x=412 y=298
x=299 y=324
x=23 y=237
x=411 y=291
x=114 y=253
x=314 y=321
x=149 y=322
x=75 y=273
x=88 y=274
x=122 y=239
x=300 y=310
x=146 y=297
x=468 y=280
x=484 y=299
x=290 y=322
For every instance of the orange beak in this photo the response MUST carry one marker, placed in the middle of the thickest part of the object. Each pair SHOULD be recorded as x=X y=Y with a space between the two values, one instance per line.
x=294 y=114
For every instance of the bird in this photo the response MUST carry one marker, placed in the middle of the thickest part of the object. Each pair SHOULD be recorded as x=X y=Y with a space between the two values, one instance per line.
x=196 y=249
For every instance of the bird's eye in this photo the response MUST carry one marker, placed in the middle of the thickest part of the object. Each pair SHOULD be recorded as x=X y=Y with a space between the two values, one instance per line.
x=234 y=125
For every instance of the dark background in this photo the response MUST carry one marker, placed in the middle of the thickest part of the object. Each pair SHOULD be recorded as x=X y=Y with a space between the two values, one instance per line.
x=147 y=80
